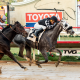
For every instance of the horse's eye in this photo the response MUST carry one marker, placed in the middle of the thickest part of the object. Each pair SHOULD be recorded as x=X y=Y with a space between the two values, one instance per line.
x=66 y=25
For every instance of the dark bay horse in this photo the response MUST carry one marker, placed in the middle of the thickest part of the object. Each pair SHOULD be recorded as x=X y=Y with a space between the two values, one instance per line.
x=6 y=37
x=47 y=42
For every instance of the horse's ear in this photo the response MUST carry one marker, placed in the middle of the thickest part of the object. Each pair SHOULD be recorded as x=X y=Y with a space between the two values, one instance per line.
x=17 y=22
x=10 y=24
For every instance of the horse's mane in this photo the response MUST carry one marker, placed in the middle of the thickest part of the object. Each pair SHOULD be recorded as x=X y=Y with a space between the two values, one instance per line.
x=54 y=31
x=56 y=28
x=6 y=28
x=53 y=27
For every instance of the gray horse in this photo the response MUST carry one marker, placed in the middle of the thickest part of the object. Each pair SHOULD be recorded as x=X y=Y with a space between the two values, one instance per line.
x=47 y=42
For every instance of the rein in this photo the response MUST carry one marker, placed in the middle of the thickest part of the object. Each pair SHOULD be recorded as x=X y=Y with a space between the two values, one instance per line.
x=14 y=31
x=6 y=37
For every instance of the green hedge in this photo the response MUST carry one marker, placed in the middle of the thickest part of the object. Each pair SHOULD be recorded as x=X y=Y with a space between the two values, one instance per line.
x=69 y=36
x=51 y=57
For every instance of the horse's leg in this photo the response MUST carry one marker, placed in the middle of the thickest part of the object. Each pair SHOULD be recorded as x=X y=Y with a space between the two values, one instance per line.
x=21 y=49
x=1 y=55
x=0 y=70
x=13 y=58
x=28 y=54
x=45 y=57
x=58 y=51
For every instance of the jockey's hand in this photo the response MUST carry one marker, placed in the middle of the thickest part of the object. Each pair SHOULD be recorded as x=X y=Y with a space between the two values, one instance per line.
x=7 y=24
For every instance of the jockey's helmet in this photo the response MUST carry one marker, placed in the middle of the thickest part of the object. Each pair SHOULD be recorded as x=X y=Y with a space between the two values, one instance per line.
x=4 y=18
x=54 y=18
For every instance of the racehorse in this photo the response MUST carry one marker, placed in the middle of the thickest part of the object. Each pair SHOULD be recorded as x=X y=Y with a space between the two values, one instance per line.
x=47 y=42
x=6 y=37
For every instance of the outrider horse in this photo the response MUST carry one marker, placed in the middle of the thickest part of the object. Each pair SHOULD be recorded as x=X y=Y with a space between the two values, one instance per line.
x=6 y=37
x=47 y=42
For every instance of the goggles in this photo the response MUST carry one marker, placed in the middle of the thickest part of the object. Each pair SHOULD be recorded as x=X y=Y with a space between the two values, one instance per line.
x=52 y=21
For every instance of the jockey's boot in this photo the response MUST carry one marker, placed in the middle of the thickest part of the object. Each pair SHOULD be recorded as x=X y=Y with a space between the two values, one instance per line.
x=36 y=34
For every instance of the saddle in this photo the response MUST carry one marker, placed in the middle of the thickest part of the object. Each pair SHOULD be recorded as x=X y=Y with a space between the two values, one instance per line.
x=32 y=37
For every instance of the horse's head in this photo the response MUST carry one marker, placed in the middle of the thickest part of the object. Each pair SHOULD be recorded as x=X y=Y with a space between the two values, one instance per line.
x=67 y=28
x=19 y=29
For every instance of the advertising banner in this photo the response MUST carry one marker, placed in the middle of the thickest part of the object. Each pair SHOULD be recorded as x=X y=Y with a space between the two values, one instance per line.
x=69 y=52
x=78 y=15
x=32 y=18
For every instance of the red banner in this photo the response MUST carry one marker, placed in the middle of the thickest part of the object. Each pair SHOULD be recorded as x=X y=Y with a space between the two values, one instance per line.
x=36 y=16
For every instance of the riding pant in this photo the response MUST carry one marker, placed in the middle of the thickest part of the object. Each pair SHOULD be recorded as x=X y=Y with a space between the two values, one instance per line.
x=37 y=26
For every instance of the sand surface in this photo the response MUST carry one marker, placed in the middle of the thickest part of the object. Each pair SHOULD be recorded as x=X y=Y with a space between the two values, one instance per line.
x=11 y=71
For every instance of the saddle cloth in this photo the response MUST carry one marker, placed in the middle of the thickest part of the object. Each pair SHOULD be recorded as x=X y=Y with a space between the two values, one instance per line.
x=32 y=37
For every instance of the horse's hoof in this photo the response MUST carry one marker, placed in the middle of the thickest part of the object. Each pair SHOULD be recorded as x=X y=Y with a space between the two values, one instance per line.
x=25 y=69
x=56 y=64
x=39 y=66
x=0 y=70
x=30 y=64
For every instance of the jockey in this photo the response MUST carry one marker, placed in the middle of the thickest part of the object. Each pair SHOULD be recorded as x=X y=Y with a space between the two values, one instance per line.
x=2 y=20
x=47 y=23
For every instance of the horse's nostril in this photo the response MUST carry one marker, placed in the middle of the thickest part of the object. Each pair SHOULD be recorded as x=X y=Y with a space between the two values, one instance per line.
x=73 y=32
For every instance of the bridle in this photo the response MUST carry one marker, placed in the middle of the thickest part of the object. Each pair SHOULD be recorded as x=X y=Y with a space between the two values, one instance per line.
x=65 y=28
x=18 y=30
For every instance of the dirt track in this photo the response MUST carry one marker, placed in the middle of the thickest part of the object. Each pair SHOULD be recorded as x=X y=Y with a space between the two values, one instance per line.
x=11 y=71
